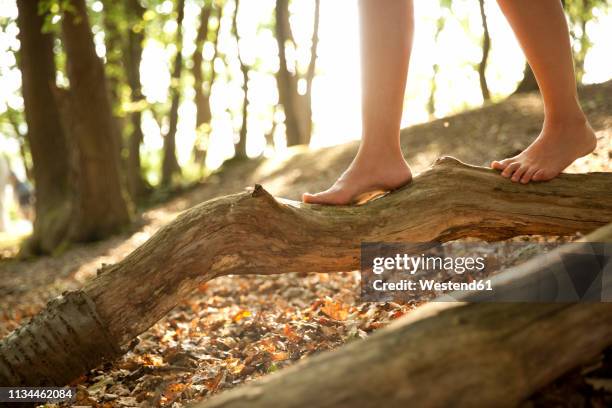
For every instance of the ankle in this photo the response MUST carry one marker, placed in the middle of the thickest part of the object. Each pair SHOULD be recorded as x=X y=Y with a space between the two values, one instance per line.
x=577 y=119
x=381 y=151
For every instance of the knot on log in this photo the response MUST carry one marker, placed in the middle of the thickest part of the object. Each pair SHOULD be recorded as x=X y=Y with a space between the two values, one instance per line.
x=262 y=194
x=67 y=337
x=259 y=191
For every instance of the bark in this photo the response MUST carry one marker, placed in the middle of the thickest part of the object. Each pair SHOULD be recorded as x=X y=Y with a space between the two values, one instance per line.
x=137 y=185
x=45 y=136
x=528 y=83
x=170 y=165
x=486 y=47
x=241 y=152
x=254 y=233
x=445 y=354
x=99 y=207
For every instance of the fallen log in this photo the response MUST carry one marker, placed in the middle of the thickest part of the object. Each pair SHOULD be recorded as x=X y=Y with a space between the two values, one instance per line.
x=446 y=354
x=254 y=233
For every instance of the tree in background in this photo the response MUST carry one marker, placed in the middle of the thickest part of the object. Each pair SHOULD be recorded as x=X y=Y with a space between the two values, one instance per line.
x=203 y=83
x=296 y=107
x=170 y=165
x=486 y=47
x=45 y=136
x=240 y=145
x=445 y=6
x=136 y=183
x=99 y=207
x=113 y=23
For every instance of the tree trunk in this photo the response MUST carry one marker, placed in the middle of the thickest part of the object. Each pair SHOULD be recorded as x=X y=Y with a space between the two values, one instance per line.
x=113 y=42
x=241 y=152
x=99 y=207
x=431 y=101
x=446 y=354
x=528 y=83
x=486 y=47
x=585 y=42
x=170 y=165
x=288 y=95
x=45 y=136
x=114 y=70
x=254 y=233
x=202 y=99
x=203 y=114
x=137 y=185
x=310 y=74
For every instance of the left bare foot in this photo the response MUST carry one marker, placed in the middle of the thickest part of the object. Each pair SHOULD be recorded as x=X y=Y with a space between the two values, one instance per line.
x=557 y=146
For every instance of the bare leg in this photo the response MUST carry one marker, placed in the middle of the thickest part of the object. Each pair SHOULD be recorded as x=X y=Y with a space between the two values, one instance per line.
x=541 y=29
x=386 y=42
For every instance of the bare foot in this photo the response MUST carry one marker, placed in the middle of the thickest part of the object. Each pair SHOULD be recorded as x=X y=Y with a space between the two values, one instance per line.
x=557 y=146
x=367 y=175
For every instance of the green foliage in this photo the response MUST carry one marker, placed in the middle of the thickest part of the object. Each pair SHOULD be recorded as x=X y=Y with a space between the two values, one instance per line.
x=54 y=10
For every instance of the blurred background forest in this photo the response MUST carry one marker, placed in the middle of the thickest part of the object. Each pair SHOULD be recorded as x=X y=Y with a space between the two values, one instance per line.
x=107 y=106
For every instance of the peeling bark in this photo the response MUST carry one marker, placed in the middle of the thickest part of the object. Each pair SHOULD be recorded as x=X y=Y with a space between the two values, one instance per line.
x=254 y=233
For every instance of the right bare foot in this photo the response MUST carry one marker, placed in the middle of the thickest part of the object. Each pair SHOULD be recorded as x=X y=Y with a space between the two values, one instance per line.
x=367 y=176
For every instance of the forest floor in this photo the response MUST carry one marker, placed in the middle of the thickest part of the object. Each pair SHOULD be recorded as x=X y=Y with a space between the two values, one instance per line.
x=234 y=329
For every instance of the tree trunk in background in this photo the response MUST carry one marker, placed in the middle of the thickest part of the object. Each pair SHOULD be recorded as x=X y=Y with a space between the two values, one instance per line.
x=582 y=13
x=170 y=165
x=310 y=74
x=240 y=146
x=45 y=135
x=137 y=185
x=528 y=83
x=203 y=114
x=203 y=88
x=99 y=207
x=114 y=68
x=287 y=88
x=486 y=47
x=113 y=43
x=297 y=108
x=431 y=101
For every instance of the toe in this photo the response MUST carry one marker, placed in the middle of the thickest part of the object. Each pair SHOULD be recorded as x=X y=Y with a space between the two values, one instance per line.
x=310 y=198
x=510 y=169
x=544 y=175
x=328 y=197
x=501 y=165
x=496 y=165
x=516 y=177
x=538 y=175
x=307 y=198
x=317 y=198
x=528 y=175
